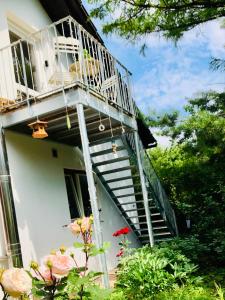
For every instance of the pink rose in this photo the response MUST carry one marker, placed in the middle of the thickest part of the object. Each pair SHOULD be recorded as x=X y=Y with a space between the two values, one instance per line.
x=81 y=225
x=46 y=275
x=16 y=282
x=75 y=228
x=86 y=224
x=60 y=264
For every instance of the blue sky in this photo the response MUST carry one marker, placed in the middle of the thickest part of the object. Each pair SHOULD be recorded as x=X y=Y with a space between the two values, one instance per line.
x=169 y=74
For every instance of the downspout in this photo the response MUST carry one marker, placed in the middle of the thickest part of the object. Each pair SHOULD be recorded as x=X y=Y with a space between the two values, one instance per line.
x=8 y=207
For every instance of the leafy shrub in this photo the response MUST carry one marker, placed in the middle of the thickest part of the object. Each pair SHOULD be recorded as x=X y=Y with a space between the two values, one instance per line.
x=207 y=253
x=186 y=293
x=220 y=292
x=117 y=295
x=210 y=276
x=191 y=247
x=147 y=271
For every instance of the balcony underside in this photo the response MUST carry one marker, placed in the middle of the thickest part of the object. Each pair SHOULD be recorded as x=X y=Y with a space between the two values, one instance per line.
x=53 y=108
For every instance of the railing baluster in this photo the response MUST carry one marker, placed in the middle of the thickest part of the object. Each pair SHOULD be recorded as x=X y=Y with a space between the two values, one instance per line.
x=24 y=71
x=93 y=71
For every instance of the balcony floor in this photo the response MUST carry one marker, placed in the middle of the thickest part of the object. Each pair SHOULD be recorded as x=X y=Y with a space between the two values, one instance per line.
x=52 y=108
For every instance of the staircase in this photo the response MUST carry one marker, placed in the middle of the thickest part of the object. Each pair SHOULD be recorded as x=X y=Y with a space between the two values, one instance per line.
x=120 y=175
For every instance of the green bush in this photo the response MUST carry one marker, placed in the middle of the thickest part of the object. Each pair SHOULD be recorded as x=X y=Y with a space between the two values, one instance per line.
x=186 y=293
x=147 y=271
x=191 y=247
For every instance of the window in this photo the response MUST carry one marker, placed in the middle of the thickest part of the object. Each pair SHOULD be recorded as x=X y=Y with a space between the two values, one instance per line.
x=77 y=192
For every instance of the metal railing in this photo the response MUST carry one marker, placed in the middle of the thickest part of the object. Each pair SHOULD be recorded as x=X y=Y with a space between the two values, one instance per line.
x=158 y=191
x=58 y=56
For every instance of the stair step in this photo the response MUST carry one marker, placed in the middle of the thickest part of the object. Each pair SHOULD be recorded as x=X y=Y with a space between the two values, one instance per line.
x=117 y=170
x=111 y=161
x=155 y=214
x=139 y=223
x=139 y=201
x=125 y=187
x=136 y=217
x=162 y=233
x=157 y=221
x=160 y=228
x=134 y=209
x=143 y=236
x=105 y=140
x=106 y=151
x=121 y=178
x=128 y=195
x=141 y=229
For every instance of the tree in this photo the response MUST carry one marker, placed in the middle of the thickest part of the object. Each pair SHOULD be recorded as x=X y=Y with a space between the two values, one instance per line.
x=135 y=18
x=192 y=169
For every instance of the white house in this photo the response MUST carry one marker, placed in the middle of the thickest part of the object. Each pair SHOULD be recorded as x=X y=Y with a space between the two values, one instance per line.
x=55 y=68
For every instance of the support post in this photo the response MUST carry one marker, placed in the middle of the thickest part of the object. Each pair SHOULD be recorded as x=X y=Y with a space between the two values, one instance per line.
x=144 y=190
x=8 y=208
x=92 y=190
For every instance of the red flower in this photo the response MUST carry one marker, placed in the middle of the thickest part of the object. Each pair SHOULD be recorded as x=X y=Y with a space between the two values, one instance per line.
x=125 y=230
x=117 y=233
x=121 y=231
x=120 y=253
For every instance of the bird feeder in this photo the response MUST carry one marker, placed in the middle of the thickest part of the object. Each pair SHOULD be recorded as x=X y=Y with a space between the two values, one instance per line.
x=39 y=129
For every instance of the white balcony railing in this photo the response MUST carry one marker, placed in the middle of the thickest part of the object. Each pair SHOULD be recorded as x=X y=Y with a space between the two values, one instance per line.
x=57 y=56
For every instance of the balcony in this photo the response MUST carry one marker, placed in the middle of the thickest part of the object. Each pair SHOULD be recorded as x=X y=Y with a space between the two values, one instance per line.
x=62 y=60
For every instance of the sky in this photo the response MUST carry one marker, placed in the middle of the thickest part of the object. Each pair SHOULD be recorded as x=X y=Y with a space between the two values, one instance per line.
x=169 y=74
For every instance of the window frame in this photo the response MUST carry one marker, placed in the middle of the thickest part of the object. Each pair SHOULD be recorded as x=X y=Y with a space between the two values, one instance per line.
x=75 y=176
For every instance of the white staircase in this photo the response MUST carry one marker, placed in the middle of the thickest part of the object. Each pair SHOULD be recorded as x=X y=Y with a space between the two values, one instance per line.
x=120 y=175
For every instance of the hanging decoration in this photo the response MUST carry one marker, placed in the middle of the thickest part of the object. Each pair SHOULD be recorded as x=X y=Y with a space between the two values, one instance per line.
x=114 y=145
x=101 y=126
x=68 y=123
x=122 y=128
x=38 y=129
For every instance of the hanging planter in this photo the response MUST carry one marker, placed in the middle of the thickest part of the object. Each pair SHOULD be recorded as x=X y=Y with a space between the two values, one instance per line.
x=39 y=129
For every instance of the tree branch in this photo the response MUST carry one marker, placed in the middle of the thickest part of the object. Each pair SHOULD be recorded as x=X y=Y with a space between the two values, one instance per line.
x=171 y=6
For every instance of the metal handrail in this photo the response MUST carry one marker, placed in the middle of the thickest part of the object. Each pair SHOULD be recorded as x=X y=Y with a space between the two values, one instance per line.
x=59 y=55
x=158 y=191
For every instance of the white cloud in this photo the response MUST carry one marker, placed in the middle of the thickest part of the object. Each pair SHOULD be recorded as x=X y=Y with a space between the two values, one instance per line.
x=168 y=87
x=174 y=74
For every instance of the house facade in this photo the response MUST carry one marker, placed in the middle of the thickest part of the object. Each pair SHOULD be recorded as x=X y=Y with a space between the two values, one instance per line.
x=71 y=144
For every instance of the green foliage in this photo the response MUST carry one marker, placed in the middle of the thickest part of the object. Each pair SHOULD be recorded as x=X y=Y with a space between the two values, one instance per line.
x=187 y=293
x=117 y=295
x=220 y=292
x=212 y=275
x=150 y=270
x=85 y=287
x=134 y=18
x=191 y=247
x=192 y=169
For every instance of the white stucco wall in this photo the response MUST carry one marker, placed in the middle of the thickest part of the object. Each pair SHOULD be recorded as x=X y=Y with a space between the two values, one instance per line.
x=41 y=199
x=29 y=12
